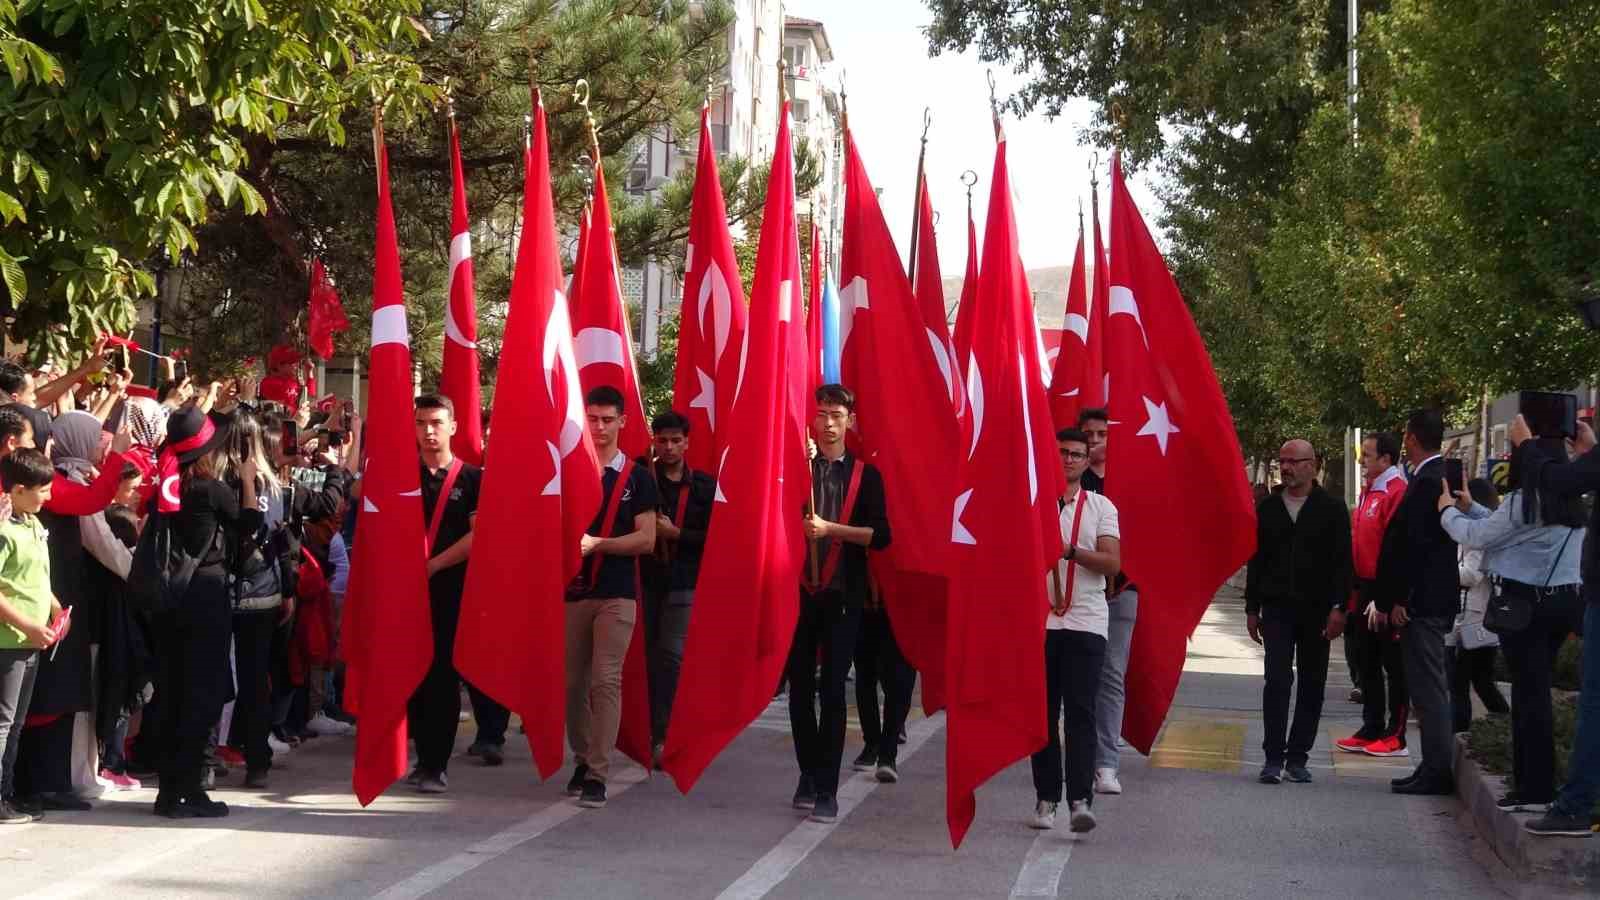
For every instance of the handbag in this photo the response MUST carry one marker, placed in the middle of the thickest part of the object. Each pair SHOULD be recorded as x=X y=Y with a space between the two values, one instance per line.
x=1511 y=603
x=1476 y=636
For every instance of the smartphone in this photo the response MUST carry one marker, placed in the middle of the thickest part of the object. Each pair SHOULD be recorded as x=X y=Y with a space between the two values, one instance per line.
x=291 y=438
x=1549 y=414
x=1455 y=476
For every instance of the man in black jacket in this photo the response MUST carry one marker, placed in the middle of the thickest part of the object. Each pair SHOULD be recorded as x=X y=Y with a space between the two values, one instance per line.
x=850 y=516
x=1419 y=589
x=1294 y=596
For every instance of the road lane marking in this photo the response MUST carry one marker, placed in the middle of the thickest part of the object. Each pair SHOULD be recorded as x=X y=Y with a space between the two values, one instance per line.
x=447 y=870
x=770 y=870
x=1041 y=871
x=1201 y=745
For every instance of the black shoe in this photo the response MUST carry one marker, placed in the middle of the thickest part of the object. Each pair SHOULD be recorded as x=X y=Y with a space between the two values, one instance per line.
x=168 y=806
x=1427 y=787
x=65 y=802
x=579 y=776
x=255 y=778
x=887 y=773
x=200 y=806
x=1514 y=802
x=1555 y=824
x=9 y=815
x=1297 y=773
x=594 y=795
x=1402 y=782
x=33 y=806
x=867 y=761
x=492 y=754
x=827 y=809
x=805 y=794
x=1271 y=773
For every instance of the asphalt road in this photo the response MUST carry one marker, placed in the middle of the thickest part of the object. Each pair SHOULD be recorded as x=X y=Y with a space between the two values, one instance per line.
x=1193 y=824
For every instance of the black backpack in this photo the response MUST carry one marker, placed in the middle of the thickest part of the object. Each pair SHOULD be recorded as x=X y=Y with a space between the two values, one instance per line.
x=162 y=569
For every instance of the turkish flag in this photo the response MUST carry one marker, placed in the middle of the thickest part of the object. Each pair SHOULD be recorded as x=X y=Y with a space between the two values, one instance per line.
x=815 y=316
x=540 y=494
x=712 y=317
x=458 y=375
x=907 y=427
x=747 y=603
x=324 y=313
x=1093 y=394
x=1005 y=533
x=1072 y=356
x=600 y=334
x=390 y=630
x=1171 y=437
x=961 y=336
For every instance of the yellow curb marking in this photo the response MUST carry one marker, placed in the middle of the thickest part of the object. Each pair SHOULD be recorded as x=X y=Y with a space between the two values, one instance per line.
x=1201 y=745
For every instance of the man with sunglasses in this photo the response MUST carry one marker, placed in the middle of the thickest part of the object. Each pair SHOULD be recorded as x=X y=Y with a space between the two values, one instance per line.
x=1294 y=596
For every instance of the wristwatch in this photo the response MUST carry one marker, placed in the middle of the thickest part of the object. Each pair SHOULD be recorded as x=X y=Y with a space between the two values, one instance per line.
x=1072 y=553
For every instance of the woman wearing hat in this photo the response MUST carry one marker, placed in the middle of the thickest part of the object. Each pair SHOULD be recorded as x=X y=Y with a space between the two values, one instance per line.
x=191 y=642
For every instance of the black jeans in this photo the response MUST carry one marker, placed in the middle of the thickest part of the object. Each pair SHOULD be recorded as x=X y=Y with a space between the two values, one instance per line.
x=1381 y=671
x=252 y=703
x=827 y=624
x=1473 y=670
x=192 y=678
x=1295 y=645
x=1423 y=645
x=18 y=667
x=879 y=660
x=666 y=629
x=1073 y=661
x=1531 y=655
x=492 y=718
x=434 y=714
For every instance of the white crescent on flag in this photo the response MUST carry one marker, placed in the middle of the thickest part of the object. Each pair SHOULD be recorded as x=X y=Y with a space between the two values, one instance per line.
x=598 y=345
x=714 y=288
x=460 y=251
x=557 y=351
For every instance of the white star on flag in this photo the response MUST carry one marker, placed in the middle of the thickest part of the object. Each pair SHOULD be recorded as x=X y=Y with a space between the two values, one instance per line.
x=1158 y=425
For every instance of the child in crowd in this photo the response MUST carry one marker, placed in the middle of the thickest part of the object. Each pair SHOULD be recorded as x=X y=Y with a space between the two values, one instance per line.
x=31 y=618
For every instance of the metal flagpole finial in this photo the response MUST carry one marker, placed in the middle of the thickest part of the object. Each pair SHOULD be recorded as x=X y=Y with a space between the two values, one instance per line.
x=994 y=104
x=580 y=94
x=449 y=103
x=927 y=122
x=1094 y=173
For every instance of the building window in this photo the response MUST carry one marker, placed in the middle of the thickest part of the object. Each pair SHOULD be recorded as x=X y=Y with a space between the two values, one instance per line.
x=802 y=113
x=795 y=56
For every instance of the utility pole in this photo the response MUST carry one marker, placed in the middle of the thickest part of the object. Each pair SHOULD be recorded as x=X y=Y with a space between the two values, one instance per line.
x=1352 y=436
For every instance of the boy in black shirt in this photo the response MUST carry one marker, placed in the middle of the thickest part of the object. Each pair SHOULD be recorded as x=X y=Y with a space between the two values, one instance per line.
x=602 y=602
x=670 y=571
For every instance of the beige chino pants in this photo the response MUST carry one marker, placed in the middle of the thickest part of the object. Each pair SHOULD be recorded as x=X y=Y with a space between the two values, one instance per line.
x=598 y=632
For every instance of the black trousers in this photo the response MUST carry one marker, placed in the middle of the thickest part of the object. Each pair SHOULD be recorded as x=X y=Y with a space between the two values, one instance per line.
x=44 y=758
x=827 y=627
x=1294 y=646
x=1531 y=655
x=192 y=678
x=434 y=714
x=1423 y=644
x=1473 y=670
x=1381 y=675
x=1073 y=661
x=492 y=718
x=879 y=660
x=252 y=703
x=666 y=630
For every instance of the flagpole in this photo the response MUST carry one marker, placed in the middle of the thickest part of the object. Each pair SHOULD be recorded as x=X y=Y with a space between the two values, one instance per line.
x=916 y=195
x=951 y=317
x=994 y=108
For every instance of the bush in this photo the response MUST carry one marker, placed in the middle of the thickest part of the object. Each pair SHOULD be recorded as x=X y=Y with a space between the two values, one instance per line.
x=1568 y=672
x=1489 y=741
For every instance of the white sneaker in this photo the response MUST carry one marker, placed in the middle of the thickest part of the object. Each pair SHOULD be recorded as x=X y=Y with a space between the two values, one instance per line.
x=1105 y=781
x=433 y=784
x=324 y=726
x=276 y=745
x=1044 y=816
x=1082 y=818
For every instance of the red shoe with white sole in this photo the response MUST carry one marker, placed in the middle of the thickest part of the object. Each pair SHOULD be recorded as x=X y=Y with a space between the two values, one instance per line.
x=1353 y=744
x=1387 y=747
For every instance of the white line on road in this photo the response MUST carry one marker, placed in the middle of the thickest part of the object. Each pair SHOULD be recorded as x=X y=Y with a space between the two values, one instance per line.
x=771 y=869
x=445 y=871
x=1042 y=868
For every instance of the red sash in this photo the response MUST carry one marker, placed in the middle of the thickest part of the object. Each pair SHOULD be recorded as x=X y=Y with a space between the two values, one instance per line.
x=609 y=521
x=1064 y=598
x=831 y=563
x=438 y=505
x=664 y=546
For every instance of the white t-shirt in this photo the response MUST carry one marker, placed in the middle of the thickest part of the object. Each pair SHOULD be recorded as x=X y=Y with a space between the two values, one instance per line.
x=1087 y=612
x=1294 y=505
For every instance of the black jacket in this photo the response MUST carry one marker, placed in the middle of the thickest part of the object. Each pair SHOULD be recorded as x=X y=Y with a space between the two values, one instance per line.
x=680 y=573
x=1417 y=562
x=871 y=511
x=1543 y=471
x=1301 y=567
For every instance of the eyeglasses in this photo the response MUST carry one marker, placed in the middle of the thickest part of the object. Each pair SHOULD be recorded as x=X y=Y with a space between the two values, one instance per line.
x=1288 y=461
x=1074 y=455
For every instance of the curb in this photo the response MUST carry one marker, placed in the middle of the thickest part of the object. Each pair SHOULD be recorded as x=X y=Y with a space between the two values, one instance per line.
x=1567 y=862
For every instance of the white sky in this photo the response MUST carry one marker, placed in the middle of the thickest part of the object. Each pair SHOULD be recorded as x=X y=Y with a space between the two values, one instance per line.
x=890 y=79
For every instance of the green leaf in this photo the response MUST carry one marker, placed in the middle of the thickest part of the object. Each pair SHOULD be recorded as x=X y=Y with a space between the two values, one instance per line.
x=164 y=199
x=230 y=107
x=11 y=209
x=45 y=67
x=16 y=65
x=223 y=181
x=194 y=205
x=16 y=280
x=249 y=198
x=65 y=22
x=41 y=177
x=20 y=164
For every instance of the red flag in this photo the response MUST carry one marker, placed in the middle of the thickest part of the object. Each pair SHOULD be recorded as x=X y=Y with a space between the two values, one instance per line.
x=1005 y=533
x=390 y=626
x=746 y=605
x=815 y=317
x=1094 y=372
x=324 y=313
x=962 y=335
x=712 y=317
x=458 y=375
x=538 y=497
x=1171 y=436
x=906 y=424
x=1072 y=357
x=600 y=332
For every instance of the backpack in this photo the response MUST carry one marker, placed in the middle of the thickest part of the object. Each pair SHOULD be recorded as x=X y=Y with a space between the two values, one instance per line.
x=161 y=570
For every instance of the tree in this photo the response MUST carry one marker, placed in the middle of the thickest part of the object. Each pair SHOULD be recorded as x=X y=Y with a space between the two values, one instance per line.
x=125 y=124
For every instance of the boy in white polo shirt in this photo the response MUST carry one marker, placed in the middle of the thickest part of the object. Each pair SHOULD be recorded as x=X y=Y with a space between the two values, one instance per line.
x=1075 y=639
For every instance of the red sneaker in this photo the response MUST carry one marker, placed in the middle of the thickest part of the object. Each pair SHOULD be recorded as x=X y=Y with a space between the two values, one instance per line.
x=230 y=757
x=1353 y=744
x=1389 y=746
